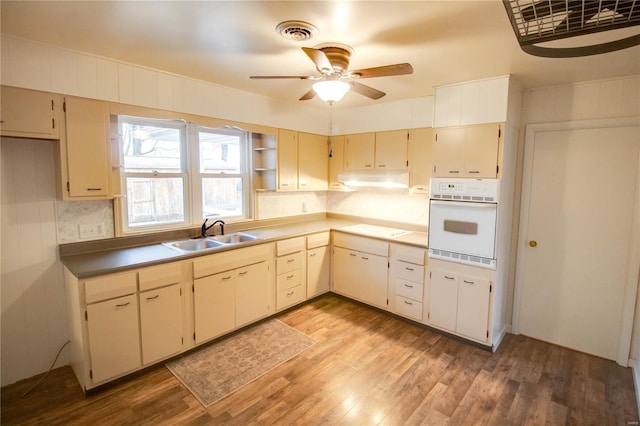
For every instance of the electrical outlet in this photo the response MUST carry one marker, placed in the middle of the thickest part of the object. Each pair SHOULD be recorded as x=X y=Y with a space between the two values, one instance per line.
x=304 y=207
x=91 y=230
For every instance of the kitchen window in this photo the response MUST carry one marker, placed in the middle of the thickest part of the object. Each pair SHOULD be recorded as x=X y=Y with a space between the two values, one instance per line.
x=175 y=174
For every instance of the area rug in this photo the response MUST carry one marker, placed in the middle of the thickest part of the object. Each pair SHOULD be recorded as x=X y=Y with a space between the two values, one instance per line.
x=217 y=370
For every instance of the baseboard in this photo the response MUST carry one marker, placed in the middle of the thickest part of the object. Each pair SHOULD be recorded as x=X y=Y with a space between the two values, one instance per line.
x=635 y=369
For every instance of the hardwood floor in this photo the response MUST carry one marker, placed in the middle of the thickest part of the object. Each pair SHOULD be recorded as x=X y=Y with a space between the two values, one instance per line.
x=367 y=368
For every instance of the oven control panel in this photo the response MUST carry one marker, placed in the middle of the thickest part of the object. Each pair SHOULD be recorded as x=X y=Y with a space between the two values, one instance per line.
x=478 y=190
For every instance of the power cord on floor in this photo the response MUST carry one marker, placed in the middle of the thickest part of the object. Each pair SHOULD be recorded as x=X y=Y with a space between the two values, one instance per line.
x=48 y=371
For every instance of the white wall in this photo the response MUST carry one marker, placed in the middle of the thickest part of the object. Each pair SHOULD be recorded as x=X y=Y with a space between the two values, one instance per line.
x=34 y=318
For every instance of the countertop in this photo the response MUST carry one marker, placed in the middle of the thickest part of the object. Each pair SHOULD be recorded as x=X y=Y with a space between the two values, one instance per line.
x=85 y=265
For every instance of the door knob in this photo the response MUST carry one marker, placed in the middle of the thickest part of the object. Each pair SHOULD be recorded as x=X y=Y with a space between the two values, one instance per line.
x=533 y=243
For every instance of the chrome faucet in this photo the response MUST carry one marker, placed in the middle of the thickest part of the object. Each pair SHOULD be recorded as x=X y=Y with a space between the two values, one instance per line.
x=205 y=228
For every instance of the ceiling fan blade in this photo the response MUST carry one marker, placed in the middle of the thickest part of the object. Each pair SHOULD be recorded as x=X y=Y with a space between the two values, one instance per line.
x=274 y=77
x=320 y=59
x=543 y=8
x=365 y=90
x=309 y=95
x=384 y=71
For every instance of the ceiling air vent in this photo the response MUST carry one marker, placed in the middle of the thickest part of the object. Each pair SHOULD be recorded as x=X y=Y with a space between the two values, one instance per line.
x=296 y=30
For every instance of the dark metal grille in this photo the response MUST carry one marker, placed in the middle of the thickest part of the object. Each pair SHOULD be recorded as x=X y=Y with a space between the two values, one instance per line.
x=546 y=20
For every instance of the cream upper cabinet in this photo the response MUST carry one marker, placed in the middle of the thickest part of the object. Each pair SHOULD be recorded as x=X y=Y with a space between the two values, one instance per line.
x=85 y=148
x=336 y=161
x=420 y=159
x=391 y=150
x=287 y=160
x=360 y=151
x=29 y=113
x=313 y=162
x=467 y=151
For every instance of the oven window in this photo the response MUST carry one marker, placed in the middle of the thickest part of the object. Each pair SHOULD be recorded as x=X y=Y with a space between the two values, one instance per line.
x=459 y=227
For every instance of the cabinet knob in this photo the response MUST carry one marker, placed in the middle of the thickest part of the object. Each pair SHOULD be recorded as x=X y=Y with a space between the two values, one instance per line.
x=533 y=243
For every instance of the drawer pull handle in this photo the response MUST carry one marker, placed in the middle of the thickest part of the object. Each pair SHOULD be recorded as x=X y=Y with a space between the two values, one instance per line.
x=408 y=303
x=290 y=294
x=228 y=277
x=365 y=258
x=290 y=260
x=474 y=171
x=468 y=282
x=243 y=273
x=352 y=254
x=152 y=297
x=408 y=286
x=312 y=254
x=94 y=189
x=449 y=278
x=409 y=269
x=454 y=171
x=290 y=276
x=122 y=305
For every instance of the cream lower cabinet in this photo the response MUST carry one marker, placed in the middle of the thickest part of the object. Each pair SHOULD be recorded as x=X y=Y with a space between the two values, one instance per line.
x=406 y=281
x=360 y=268
x=318 y=264
x=460 y=299
x=112 y=326
x=290 y=272
x=231 y=289
x=161 y=311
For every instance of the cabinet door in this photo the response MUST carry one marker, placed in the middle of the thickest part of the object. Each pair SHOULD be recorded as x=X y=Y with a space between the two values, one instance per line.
x=161 y=323
x=287 y=160
x=360 y=151
x=473 y=307
x=86 y=148
x=28 y=113
x=318 y=271
x=345 y=271
x=481 y=151
x=443 y=299
x=114 y=340
x=391 y=152
x=313 y=162
x=420 y=158
x=372 y=285
x=448 y=152
x=253 y=288
x=214 y=303
x=336 y=161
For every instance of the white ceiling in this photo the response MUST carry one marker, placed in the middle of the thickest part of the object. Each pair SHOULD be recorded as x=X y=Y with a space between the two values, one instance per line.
x=227 y=41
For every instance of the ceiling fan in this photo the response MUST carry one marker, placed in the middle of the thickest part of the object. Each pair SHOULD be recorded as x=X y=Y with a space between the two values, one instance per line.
x=332 y=62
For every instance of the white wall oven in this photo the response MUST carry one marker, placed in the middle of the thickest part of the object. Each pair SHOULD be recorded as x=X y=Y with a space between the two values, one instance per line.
x=462 y=220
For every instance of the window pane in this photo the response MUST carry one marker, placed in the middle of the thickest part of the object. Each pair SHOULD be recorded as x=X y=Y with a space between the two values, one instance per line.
x=149 y=148
x=155 y=201
x=221 y=197
x=219 y=153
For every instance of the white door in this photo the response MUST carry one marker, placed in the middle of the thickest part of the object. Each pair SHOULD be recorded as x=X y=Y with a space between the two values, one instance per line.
x=576 y=233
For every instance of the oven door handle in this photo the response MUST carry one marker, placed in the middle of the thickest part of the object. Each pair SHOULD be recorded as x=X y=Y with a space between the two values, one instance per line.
x=472 y=204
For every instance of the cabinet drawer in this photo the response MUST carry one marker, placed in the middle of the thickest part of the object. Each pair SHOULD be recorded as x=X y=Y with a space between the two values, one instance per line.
x=409 y=271
x=291 y=245
x=409 y=308
x=409 y=289
x=159 y=276
x=407 y=254
x=289 y=279
x=289 y=263
x=363 y=244
x=289 y=297
x=232 y=259
x=318 y=240
x=110 y=286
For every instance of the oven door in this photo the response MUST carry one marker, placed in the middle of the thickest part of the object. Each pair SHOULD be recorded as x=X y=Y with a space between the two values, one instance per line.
x=463 y=227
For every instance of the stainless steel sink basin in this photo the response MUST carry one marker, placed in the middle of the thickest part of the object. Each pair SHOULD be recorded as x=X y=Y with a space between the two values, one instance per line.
x=235 y=238
x=209 y=243
x=194 y=245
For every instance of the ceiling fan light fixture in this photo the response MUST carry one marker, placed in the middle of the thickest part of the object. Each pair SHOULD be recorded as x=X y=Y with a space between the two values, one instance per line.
x=331 y=90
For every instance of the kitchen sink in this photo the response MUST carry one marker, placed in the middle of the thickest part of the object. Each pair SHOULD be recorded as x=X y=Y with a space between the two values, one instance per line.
x=209 y=243
x=235 y=238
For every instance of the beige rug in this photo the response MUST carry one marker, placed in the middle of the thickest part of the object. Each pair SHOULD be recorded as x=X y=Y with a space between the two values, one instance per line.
x=217 y=370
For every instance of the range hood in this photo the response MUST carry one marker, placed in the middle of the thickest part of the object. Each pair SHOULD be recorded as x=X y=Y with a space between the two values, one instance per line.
x=375 y=179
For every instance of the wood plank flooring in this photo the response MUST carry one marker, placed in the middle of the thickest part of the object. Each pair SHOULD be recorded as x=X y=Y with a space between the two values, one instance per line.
x=367 y=368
